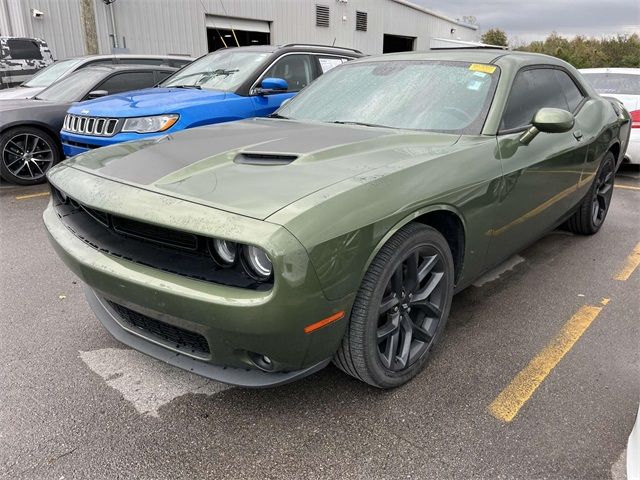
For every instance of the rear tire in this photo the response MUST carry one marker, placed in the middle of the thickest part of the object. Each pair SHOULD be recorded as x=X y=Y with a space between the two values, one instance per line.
x=26 y=154
x=400 y=310
x=593 y=209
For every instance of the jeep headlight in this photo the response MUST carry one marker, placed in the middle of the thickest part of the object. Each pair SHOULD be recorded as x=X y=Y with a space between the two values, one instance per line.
x=157 y=123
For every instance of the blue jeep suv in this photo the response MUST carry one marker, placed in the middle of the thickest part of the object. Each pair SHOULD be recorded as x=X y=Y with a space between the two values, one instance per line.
x=228 y=84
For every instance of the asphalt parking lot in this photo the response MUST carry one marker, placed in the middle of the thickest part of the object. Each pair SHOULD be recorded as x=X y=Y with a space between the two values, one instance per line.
x=536 y=377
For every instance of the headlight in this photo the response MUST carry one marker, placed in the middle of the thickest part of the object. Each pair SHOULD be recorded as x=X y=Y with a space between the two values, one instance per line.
x=223 y=252
x=157 y=123
x=257 y=262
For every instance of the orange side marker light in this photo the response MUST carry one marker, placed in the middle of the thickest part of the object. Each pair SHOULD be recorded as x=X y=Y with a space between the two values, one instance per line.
x=322 y=323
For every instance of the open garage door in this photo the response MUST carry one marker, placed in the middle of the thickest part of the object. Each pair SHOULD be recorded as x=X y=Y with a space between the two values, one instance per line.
x=397 y=43
x=231 y=32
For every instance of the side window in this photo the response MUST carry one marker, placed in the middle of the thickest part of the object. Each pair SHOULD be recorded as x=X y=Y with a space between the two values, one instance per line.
x=571 y=91
x=531 y=91
x=23 y=49
x=297 y=70
x=161 y=75
x=123 y=82
x=327 y=63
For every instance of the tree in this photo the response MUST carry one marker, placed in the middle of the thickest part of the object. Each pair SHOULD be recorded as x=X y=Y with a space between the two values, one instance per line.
x=583 y=52
x=495 y=36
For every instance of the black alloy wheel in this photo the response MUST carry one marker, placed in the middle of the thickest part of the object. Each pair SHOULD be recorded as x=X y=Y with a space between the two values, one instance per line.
x=26 y=154
x=592 y=211
x=400 y=310
x=602 y=194
x=411 y=309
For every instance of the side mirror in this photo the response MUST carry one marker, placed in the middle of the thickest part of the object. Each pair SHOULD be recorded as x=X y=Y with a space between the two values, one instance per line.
x=548 y=120
x=272 y=85
x=97 y=94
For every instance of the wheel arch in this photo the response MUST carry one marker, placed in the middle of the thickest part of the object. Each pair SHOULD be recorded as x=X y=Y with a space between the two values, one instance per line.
x=616 y=150
x=446 y=219
x=39 y=125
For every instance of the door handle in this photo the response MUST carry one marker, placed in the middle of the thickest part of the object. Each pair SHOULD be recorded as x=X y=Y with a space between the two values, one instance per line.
x=578 y=135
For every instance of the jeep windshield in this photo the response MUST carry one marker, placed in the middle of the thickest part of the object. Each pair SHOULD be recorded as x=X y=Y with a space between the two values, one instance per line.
x=224 y=70
x=418 y=95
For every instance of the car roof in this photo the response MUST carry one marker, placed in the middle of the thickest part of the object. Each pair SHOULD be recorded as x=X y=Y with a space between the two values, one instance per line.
x=130 y=55
x=471 y=55
x=132 y=66
x=307 y=47
x=631 y=71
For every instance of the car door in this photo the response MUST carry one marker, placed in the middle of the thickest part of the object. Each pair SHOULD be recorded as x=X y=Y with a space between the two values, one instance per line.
x=298 y=71
x=540 y=179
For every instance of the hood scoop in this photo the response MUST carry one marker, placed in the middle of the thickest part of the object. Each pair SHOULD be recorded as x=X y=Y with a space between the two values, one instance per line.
x=264 y=159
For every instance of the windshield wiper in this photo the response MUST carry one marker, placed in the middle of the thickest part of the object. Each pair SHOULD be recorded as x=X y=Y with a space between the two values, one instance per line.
x=277 y=115
x=222 y=71
x=362 y=124
x=196 y=87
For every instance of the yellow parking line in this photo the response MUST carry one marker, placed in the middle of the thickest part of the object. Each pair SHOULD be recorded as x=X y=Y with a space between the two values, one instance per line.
x=631 y=263
x=509 y=402
x=32 y=195
x=628 y=187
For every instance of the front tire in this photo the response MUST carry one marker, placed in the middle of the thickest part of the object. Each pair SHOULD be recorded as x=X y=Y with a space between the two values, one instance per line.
x=593 y=209
x=26 y=153
x=400 y=310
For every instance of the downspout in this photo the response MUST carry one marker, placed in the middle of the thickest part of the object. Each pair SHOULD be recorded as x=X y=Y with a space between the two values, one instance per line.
x=114 y=29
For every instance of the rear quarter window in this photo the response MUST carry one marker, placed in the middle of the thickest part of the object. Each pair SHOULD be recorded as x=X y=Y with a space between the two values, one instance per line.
x=571 y=91
x=22 y=49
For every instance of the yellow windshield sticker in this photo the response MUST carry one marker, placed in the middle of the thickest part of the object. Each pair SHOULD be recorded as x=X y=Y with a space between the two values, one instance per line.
x=479 y=67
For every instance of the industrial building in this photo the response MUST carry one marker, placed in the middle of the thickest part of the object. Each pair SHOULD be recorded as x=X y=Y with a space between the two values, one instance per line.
x=195 y=27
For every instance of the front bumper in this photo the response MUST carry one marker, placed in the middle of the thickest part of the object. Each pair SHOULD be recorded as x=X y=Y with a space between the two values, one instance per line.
x=74 y=144
x=237 y=323
x=244 y=377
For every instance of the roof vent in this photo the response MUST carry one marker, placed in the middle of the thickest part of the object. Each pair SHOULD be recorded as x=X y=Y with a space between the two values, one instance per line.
x=264 y=159
x=322 y=16
x=361 y=21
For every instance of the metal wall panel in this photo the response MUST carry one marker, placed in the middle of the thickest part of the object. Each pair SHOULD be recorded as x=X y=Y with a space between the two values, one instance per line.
x=179 y=26
x=60 y=26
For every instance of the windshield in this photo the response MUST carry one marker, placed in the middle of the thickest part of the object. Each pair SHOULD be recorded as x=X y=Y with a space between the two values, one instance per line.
x=74 y=87
x=223 y=70
x=621 y=83
x=418 y=95
x=50 y=74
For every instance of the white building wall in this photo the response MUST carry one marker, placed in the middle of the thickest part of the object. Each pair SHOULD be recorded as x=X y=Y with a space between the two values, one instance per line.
x=178 y=26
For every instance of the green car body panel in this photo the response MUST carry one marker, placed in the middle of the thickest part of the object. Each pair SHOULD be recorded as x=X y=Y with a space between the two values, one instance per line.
x=323 y=217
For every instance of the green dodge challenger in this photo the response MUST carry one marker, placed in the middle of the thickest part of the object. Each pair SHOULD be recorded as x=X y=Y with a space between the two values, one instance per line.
x=256 y=252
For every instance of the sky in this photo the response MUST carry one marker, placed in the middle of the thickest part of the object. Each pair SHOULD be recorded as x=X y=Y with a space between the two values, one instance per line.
x=527 y=21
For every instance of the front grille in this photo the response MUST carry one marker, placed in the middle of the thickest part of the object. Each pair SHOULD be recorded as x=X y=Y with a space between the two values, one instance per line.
x=172 y=251
x=97 y=126
x=153 y=233
x=173 y=336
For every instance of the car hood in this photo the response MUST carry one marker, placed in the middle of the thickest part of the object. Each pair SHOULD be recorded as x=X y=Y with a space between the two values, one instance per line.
x=256 y=167
x=28 y=104
x=151 y=101
x=19 y=92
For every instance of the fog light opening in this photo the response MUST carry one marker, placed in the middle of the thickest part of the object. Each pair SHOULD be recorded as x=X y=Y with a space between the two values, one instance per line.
x=263 y=362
